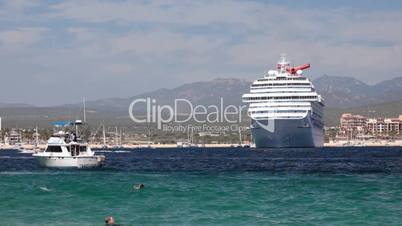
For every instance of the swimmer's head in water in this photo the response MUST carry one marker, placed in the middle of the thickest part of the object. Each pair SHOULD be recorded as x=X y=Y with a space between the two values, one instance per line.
x=109 y=220
x=139 y=186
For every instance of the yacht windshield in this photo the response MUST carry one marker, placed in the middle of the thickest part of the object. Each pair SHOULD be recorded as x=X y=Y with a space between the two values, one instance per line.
x=53 y=149
x=83 y=148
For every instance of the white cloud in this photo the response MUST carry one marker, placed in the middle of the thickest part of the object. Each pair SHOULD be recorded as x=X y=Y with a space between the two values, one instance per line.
x=182 y=12
x=18 y=5
x=20 y=38
x=133 y=44
x=162 y=44
x=119 y=68
x=81 y=34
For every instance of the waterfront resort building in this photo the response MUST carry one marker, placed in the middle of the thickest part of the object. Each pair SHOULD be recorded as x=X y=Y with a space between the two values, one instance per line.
x=358 y=126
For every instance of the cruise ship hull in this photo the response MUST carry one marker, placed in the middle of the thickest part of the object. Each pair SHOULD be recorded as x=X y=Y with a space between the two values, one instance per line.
x=295 y=133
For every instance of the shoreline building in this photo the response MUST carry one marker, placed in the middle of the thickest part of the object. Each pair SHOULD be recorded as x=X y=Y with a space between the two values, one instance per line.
x=14 y=137
x=352 y=126
x=361 y=127
x=388 y=126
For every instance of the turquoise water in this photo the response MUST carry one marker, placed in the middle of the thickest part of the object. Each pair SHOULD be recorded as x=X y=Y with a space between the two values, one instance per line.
x=178 y=198
x=209 y=187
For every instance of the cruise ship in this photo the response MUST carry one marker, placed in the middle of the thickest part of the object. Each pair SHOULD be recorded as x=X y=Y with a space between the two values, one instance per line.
x=285 y=109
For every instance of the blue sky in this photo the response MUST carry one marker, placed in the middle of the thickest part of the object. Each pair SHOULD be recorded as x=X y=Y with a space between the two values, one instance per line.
x=55 y=52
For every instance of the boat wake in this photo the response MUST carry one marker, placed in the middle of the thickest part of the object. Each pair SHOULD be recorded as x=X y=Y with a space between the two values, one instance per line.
x=10 y=173
x=108 y=151
x=14 y=157
x=45 y=189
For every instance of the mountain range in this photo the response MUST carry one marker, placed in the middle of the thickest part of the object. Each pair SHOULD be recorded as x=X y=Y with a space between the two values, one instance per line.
x=341 y=94
x=346 y=92
x=203 y=92
x=338 y=92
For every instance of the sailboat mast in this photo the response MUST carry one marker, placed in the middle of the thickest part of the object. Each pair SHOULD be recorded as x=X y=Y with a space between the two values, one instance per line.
x=240 y=138
x=36 y=137
x=192 y=135
x=120 y=143
x=188 y=135
x=149 y=135
x=104 y=135
x=85 y=115
x=116 y=139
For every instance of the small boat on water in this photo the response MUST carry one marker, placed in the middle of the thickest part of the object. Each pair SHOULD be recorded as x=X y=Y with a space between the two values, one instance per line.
x=182 y=144
x=26 y=151
x=68 y=150
x=189 y=143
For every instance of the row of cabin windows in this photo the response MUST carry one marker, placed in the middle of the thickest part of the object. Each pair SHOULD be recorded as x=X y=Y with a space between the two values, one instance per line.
x=318 y=114
x=279 y=78
x=280 y=98
x=274 y=106
x=315 y=115
x=282 y=117
x=280 y=111
x=284 y=91
x=58 y=149
x=281 y=84
x=319 y=110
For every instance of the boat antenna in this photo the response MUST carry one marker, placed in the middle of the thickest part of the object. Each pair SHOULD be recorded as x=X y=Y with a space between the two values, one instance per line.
x=283 y=62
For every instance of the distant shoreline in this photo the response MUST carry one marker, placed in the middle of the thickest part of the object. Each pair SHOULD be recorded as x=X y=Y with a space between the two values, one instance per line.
x=380 y=143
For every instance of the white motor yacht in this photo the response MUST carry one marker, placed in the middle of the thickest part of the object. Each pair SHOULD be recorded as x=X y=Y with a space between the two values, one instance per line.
x=67 y=150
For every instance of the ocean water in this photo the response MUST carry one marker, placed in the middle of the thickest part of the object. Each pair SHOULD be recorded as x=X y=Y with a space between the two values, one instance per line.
x=328 y=186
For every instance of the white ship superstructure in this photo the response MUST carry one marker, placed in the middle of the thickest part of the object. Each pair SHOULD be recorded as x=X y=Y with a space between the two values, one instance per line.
x=289 y=100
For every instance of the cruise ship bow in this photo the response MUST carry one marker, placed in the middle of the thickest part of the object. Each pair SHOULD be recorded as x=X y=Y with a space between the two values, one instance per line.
x=285 y=109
